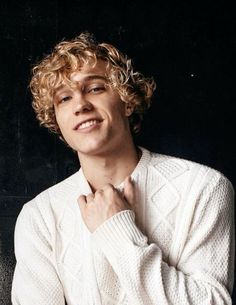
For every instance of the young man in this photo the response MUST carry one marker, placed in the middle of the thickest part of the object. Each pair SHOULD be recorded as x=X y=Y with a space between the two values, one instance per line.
x=131 y=226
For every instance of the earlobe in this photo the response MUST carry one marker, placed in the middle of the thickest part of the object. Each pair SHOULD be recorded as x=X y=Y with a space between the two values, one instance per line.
x=129 y=108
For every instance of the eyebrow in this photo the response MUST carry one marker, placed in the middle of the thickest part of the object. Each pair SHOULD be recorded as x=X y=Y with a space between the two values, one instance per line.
x=90 y=77
x=94 y=76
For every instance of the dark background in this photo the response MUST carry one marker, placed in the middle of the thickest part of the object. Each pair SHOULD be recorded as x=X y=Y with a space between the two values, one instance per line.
x=189 y=48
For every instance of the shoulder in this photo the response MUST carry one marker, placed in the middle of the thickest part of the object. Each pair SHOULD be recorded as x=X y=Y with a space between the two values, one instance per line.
x=49 y=205
x=193 y=185
x=186 y=171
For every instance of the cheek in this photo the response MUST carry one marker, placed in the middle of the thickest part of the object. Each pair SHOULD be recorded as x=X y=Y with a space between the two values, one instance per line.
x=118 y=110
x=62 y=127
x=61 y=118
x=58 y=119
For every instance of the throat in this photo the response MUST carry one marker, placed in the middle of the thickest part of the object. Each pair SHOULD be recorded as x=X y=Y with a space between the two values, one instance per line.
x=102 y=171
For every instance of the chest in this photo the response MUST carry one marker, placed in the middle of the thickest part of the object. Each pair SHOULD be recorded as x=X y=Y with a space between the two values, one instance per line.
x=85 y=273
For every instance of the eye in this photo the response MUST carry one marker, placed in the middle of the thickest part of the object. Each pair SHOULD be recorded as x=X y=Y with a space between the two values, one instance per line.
x=96 y=89
x=64 y=99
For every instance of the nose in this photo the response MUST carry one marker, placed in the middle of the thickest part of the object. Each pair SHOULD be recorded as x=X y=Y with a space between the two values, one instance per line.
x=81 y=104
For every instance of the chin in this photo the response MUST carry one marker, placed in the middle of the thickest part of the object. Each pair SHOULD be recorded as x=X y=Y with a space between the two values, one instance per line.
x=92 y=149
x=93 y=145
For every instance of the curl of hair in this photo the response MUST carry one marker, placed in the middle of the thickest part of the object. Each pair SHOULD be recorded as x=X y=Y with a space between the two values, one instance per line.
x=69 y=56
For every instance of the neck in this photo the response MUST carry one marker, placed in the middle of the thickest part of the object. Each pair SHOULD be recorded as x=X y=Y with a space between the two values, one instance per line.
x=112 y=168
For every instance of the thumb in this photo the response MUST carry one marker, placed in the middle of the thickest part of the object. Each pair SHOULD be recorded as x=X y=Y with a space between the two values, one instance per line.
x=129 y=192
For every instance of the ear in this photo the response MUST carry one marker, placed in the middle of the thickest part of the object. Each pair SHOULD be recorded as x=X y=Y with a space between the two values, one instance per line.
x=129 y=108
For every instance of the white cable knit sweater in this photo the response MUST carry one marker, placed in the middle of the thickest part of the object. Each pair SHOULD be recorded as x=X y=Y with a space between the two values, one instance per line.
x=178 y=250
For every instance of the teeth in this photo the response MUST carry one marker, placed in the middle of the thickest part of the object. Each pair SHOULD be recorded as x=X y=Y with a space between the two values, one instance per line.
x=87 y=124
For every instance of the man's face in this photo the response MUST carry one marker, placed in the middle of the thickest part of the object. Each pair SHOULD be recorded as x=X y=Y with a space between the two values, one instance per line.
x=91 y=116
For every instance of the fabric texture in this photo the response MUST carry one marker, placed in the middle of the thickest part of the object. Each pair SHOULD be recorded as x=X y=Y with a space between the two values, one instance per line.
x=177 y=247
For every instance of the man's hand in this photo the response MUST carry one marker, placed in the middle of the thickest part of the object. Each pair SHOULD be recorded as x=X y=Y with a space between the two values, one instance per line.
x=105 y=203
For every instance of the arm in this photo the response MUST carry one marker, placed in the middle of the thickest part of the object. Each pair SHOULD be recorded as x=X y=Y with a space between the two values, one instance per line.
x=204 y=273
x=35 y=279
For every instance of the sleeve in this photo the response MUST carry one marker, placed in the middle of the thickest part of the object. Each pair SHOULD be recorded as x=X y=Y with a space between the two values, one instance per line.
x=204 y=274
x=35 y=279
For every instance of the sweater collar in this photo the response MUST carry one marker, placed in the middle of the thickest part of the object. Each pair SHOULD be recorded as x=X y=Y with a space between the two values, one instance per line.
x=168 y=169
x=142 y=164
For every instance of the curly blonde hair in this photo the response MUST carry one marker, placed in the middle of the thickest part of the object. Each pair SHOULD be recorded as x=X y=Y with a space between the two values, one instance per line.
x=69 y=56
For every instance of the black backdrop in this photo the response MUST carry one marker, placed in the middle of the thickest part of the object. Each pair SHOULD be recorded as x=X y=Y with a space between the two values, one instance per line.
x=188 y=48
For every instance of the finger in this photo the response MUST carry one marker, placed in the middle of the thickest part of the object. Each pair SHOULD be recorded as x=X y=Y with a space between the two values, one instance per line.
x=82 y=202
x=98 y=194
x=108 y=186
x=90 y=198
x=129 y=192
x=106 y=189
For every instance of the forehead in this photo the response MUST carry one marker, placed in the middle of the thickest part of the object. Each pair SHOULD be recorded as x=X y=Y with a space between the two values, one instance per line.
x=98 y=69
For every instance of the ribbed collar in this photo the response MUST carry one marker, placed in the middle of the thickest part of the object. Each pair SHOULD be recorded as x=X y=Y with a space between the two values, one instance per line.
x=143 y=162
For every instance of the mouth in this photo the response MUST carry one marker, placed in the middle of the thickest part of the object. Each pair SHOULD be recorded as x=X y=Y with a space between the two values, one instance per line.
x=87 y=124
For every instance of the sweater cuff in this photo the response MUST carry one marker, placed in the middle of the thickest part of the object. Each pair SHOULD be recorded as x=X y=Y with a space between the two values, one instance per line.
x=118 y=233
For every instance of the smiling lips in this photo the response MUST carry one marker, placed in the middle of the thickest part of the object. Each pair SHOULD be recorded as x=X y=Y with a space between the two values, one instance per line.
x=87 y=124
